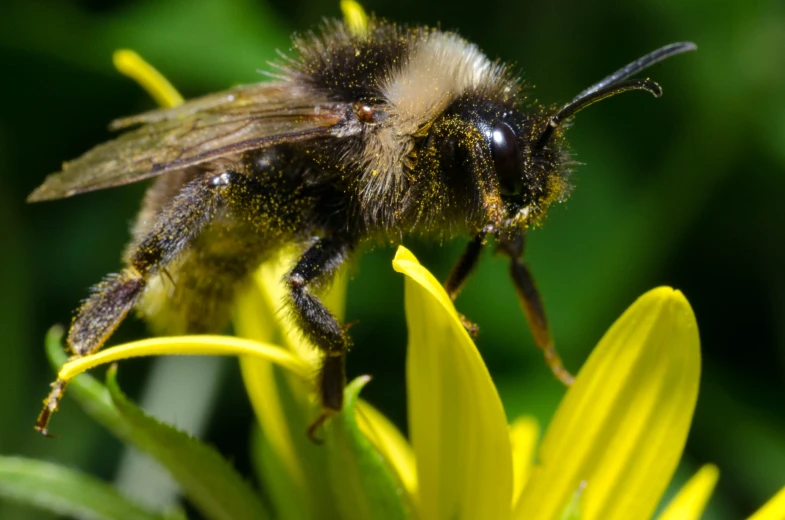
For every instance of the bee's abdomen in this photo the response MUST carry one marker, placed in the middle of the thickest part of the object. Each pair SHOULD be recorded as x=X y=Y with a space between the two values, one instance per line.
x=196 y=294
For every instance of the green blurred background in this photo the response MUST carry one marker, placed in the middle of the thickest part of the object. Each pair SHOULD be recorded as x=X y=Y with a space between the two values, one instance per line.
x=687 y=191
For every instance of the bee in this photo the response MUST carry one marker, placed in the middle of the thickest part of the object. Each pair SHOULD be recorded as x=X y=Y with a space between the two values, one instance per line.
x=360 y=137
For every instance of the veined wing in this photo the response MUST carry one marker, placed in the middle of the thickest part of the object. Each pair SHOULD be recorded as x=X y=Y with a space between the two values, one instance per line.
x=217 y=125
x=267 y=96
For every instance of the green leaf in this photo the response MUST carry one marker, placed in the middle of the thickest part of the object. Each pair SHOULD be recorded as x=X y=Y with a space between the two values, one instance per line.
x=65 y=491
x=362 y=483
x=207 y=479
x=210 y=482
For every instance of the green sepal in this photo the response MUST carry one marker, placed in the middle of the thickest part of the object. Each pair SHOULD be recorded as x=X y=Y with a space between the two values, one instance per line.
x=66 y=492
x=361 y=480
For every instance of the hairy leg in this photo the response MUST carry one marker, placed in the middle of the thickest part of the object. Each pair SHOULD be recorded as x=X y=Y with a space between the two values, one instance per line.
x=316 y=267
x=464 y=266
x=460 y=273
x=532 y=305
x=175 y=228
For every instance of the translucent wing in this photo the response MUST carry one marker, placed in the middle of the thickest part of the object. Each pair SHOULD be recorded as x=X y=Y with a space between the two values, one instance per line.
x=241 y=119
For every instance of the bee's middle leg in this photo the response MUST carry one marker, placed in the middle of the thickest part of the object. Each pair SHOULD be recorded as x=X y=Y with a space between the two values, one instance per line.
x=316 y=267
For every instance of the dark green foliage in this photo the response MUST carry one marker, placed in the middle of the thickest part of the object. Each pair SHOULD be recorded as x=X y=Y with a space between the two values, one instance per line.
x=65 y=491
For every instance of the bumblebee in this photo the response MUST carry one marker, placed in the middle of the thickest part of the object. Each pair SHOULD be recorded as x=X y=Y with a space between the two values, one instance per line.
x=361 y=137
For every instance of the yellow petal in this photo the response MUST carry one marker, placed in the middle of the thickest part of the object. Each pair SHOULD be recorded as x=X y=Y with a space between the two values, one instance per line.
x=623 y=424
x=355 y=17
x=691 y=500
x=255 y=319
x=132 y=65
x=774 y=508
x=187 y=345
x=456 y=420
x=390 y=443
x=524 y=433
x=260 y=315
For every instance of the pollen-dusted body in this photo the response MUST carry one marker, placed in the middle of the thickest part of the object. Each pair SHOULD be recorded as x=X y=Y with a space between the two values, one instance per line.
x=364 y=136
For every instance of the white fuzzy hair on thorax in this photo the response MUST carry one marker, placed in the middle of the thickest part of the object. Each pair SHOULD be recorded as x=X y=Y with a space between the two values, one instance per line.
x=440 y=68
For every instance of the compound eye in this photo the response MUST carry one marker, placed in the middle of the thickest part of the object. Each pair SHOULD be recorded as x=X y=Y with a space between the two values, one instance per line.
x=507 y=159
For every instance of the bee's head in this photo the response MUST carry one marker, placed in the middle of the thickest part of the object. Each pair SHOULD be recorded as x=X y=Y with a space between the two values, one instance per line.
x=487 y=153
x=528 y=177
x=513 y=160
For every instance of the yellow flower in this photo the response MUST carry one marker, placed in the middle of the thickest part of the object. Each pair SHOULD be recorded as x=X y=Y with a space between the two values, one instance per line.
x=614 y=441
x=609 y=452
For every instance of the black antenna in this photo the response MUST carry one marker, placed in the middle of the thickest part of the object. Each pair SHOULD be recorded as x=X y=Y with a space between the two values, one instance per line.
x=615 y=84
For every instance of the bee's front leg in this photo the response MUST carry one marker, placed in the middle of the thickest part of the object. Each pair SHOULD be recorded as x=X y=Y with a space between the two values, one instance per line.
x=464 y=266
x=460 y=273
x=530 y=299
x=316 y=267
x=175 y=227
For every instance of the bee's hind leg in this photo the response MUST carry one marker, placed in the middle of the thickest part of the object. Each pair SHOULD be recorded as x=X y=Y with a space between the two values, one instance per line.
x=316 y=267
x=175 y=227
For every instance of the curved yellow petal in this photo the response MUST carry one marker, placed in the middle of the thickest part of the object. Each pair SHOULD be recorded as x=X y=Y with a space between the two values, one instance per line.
x=187 y=345
x=283 y=405
x=774 y=509
x=132 y=65
x=255 y=319
x=622 y=426
x=524 y=432
x=390 y=443
x=355 y=17
x=691 y=500
x=456 y=420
